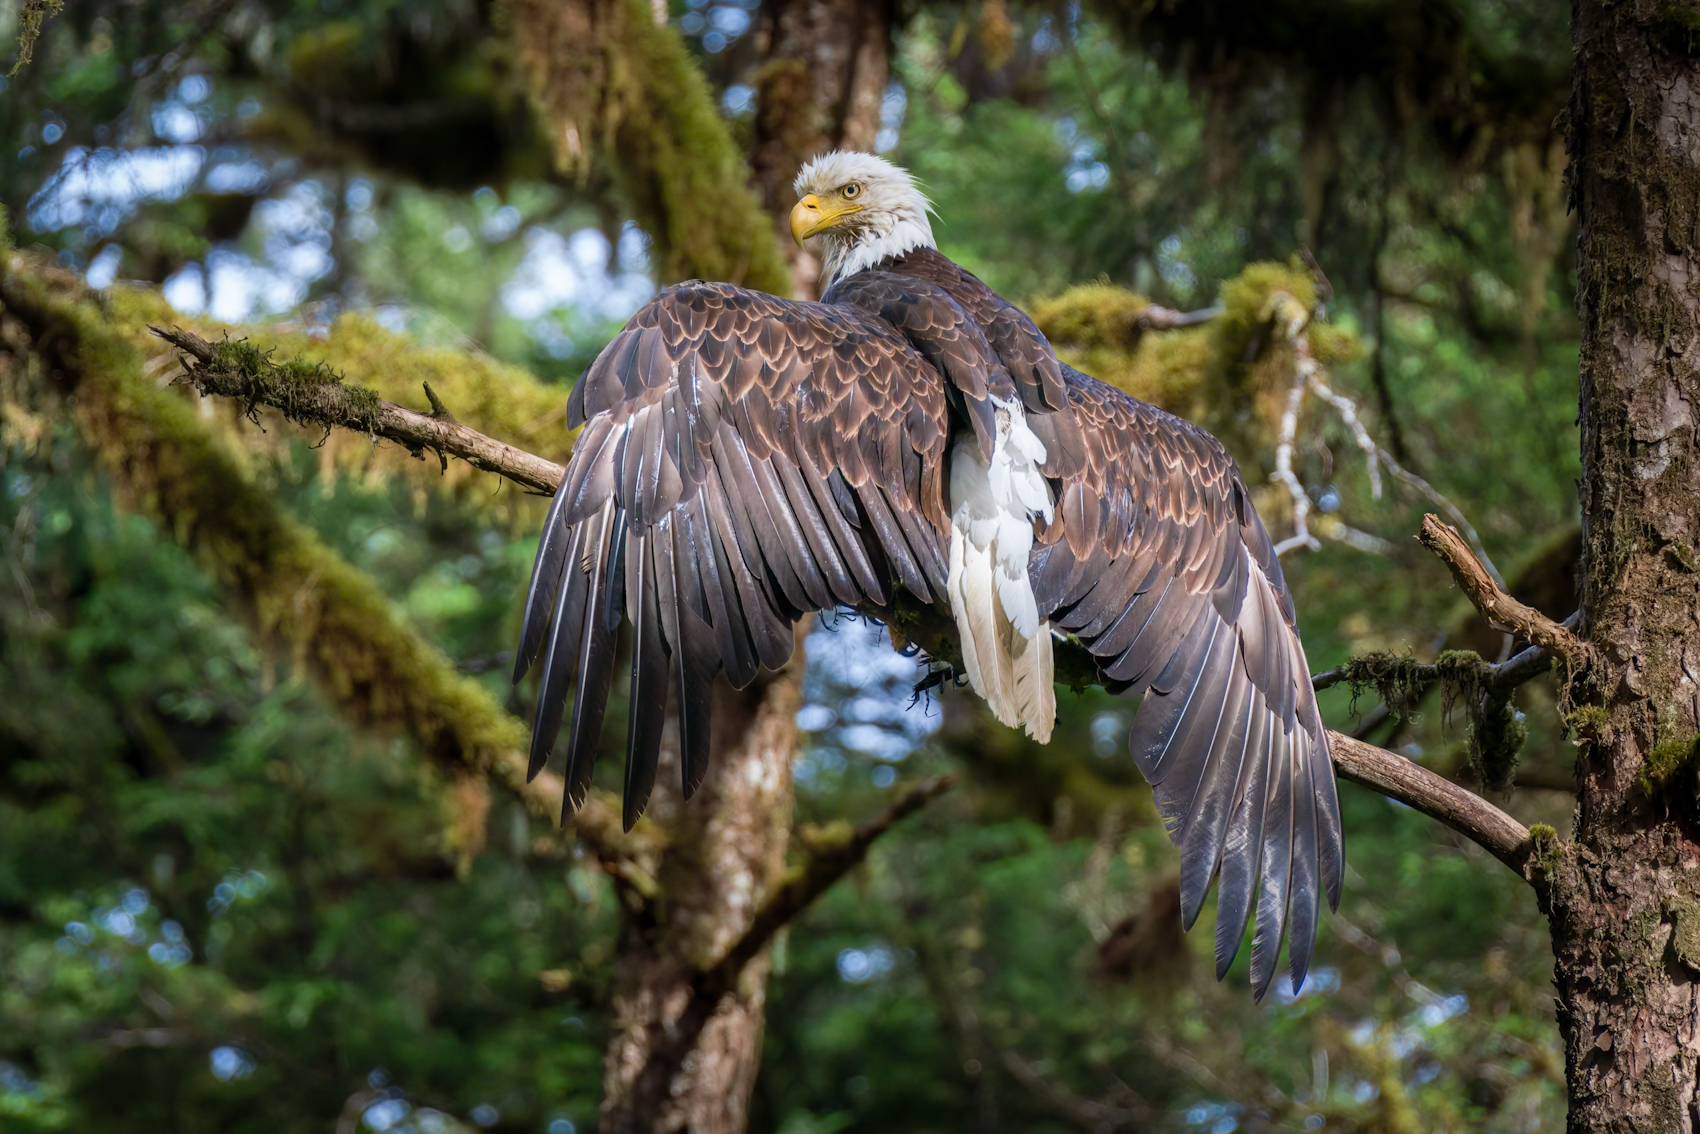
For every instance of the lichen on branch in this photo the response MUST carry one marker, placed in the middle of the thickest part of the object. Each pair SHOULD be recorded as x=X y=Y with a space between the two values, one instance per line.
x=31 y=16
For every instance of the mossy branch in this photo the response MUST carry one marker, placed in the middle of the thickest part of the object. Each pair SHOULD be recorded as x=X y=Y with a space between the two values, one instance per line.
x=616 y=88
x=932 y=629
x=293 y=589
x=311 y=394
x=1484 y=689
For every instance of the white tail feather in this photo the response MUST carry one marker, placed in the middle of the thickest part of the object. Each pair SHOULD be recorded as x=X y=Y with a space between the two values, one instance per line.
x=1006 y=648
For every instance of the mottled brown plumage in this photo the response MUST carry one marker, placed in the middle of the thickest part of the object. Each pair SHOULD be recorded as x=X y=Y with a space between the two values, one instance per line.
x=747 y=459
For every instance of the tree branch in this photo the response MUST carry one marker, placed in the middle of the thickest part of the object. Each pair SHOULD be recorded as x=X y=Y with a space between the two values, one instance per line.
x=827 y=863
x=909 y=621
x=314 y=396
x=1435 y=796
x=1496 y=606
x=1516 y=670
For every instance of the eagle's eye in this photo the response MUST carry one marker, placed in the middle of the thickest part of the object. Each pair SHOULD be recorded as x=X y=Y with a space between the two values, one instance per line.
x=851 y=191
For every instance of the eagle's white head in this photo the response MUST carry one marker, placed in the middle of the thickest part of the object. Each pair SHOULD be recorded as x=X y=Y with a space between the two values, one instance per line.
x=862 y=207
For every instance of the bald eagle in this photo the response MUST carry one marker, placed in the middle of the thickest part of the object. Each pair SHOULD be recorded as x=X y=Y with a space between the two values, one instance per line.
x=747 y=459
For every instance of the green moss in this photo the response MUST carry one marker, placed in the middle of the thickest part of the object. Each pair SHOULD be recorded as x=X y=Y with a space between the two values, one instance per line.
x=298 y=387
x=1590 y=722
x=635 y=91
x=1684 y=915
x=1684 y=556
x=492 y=397
x=1497 y=729
x=1230 y=373
x=1400 y=680
x=1547 y=849
x=1669 y=763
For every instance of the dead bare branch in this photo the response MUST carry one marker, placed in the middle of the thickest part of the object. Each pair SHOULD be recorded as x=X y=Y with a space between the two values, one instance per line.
x=1439 y=798
x=1309 y=378
x=1496 y=606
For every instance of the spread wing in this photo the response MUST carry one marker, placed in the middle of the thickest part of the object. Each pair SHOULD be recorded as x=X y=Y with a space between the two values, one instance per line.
x=1160 y=565
x=745 y=459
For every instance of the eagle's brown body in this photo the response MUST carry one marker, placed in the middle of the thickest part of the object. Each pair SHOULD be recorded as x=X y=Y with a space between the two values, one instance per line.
x=748 y=459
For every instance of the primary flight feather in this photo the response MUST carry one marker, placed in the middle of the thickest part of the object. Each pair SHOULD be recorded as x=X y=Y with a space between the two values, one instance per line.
x=747 y=459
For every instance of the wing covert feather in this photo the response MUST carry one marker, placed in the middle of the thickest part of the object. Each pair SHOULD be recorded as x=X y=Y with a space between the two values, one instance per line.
x=745 y=459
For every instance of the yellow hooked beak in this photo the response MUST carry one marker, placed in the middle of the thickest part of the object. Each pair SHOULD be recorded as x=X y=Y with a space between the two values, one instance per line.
x=812 y=215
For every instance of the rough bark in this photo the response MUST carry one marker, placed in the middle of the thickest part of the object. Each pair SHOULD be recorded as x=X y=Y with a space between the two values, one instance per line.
x=1624 y=899
x=684 y=1056
x=820 y=88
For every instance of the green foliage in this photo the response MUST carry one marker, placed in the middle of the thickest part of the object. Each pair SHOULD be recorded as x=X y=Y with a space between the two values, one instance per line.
x=243 y=899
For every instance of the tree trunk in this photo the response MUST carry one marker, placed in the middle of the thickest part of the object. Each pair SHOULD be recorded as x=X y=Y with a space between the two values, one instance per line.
x=607 y=77
x=820 y=88
x=683 y=1057
x=1624 y=899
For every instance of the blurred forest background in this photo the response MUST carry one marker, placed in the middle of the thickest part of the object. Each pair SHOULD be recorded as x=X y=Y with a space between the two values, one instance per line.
x=249 y=880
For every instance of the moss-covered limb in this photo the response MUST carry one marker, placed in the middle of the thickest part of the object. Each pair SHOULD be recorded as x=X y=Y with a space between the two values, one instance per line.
x=1401 y=680
x=616 y=89
x=1216 y=368
x=1497 y=606
x=492 y=397
x=334 y=619
x=313 y=394
x=31 y=16
x=1484 y=690
x=829 y=856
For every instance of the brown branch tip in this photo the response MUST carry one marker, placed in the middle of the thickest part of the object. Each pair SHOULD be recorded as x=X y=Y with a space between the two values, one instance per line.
x=1495 y=605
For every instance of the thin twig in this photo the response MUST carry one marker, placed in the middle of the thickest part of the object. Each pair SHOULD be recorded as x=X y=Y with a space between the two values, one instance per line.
x=1496 y=606
x=1304 y=366
x=1310 y=378
x=1155 y=317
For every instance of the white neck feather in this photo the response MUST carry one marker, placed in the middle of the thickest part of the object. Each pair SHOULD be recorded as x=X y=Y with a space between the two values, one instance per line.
x=859 y=249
